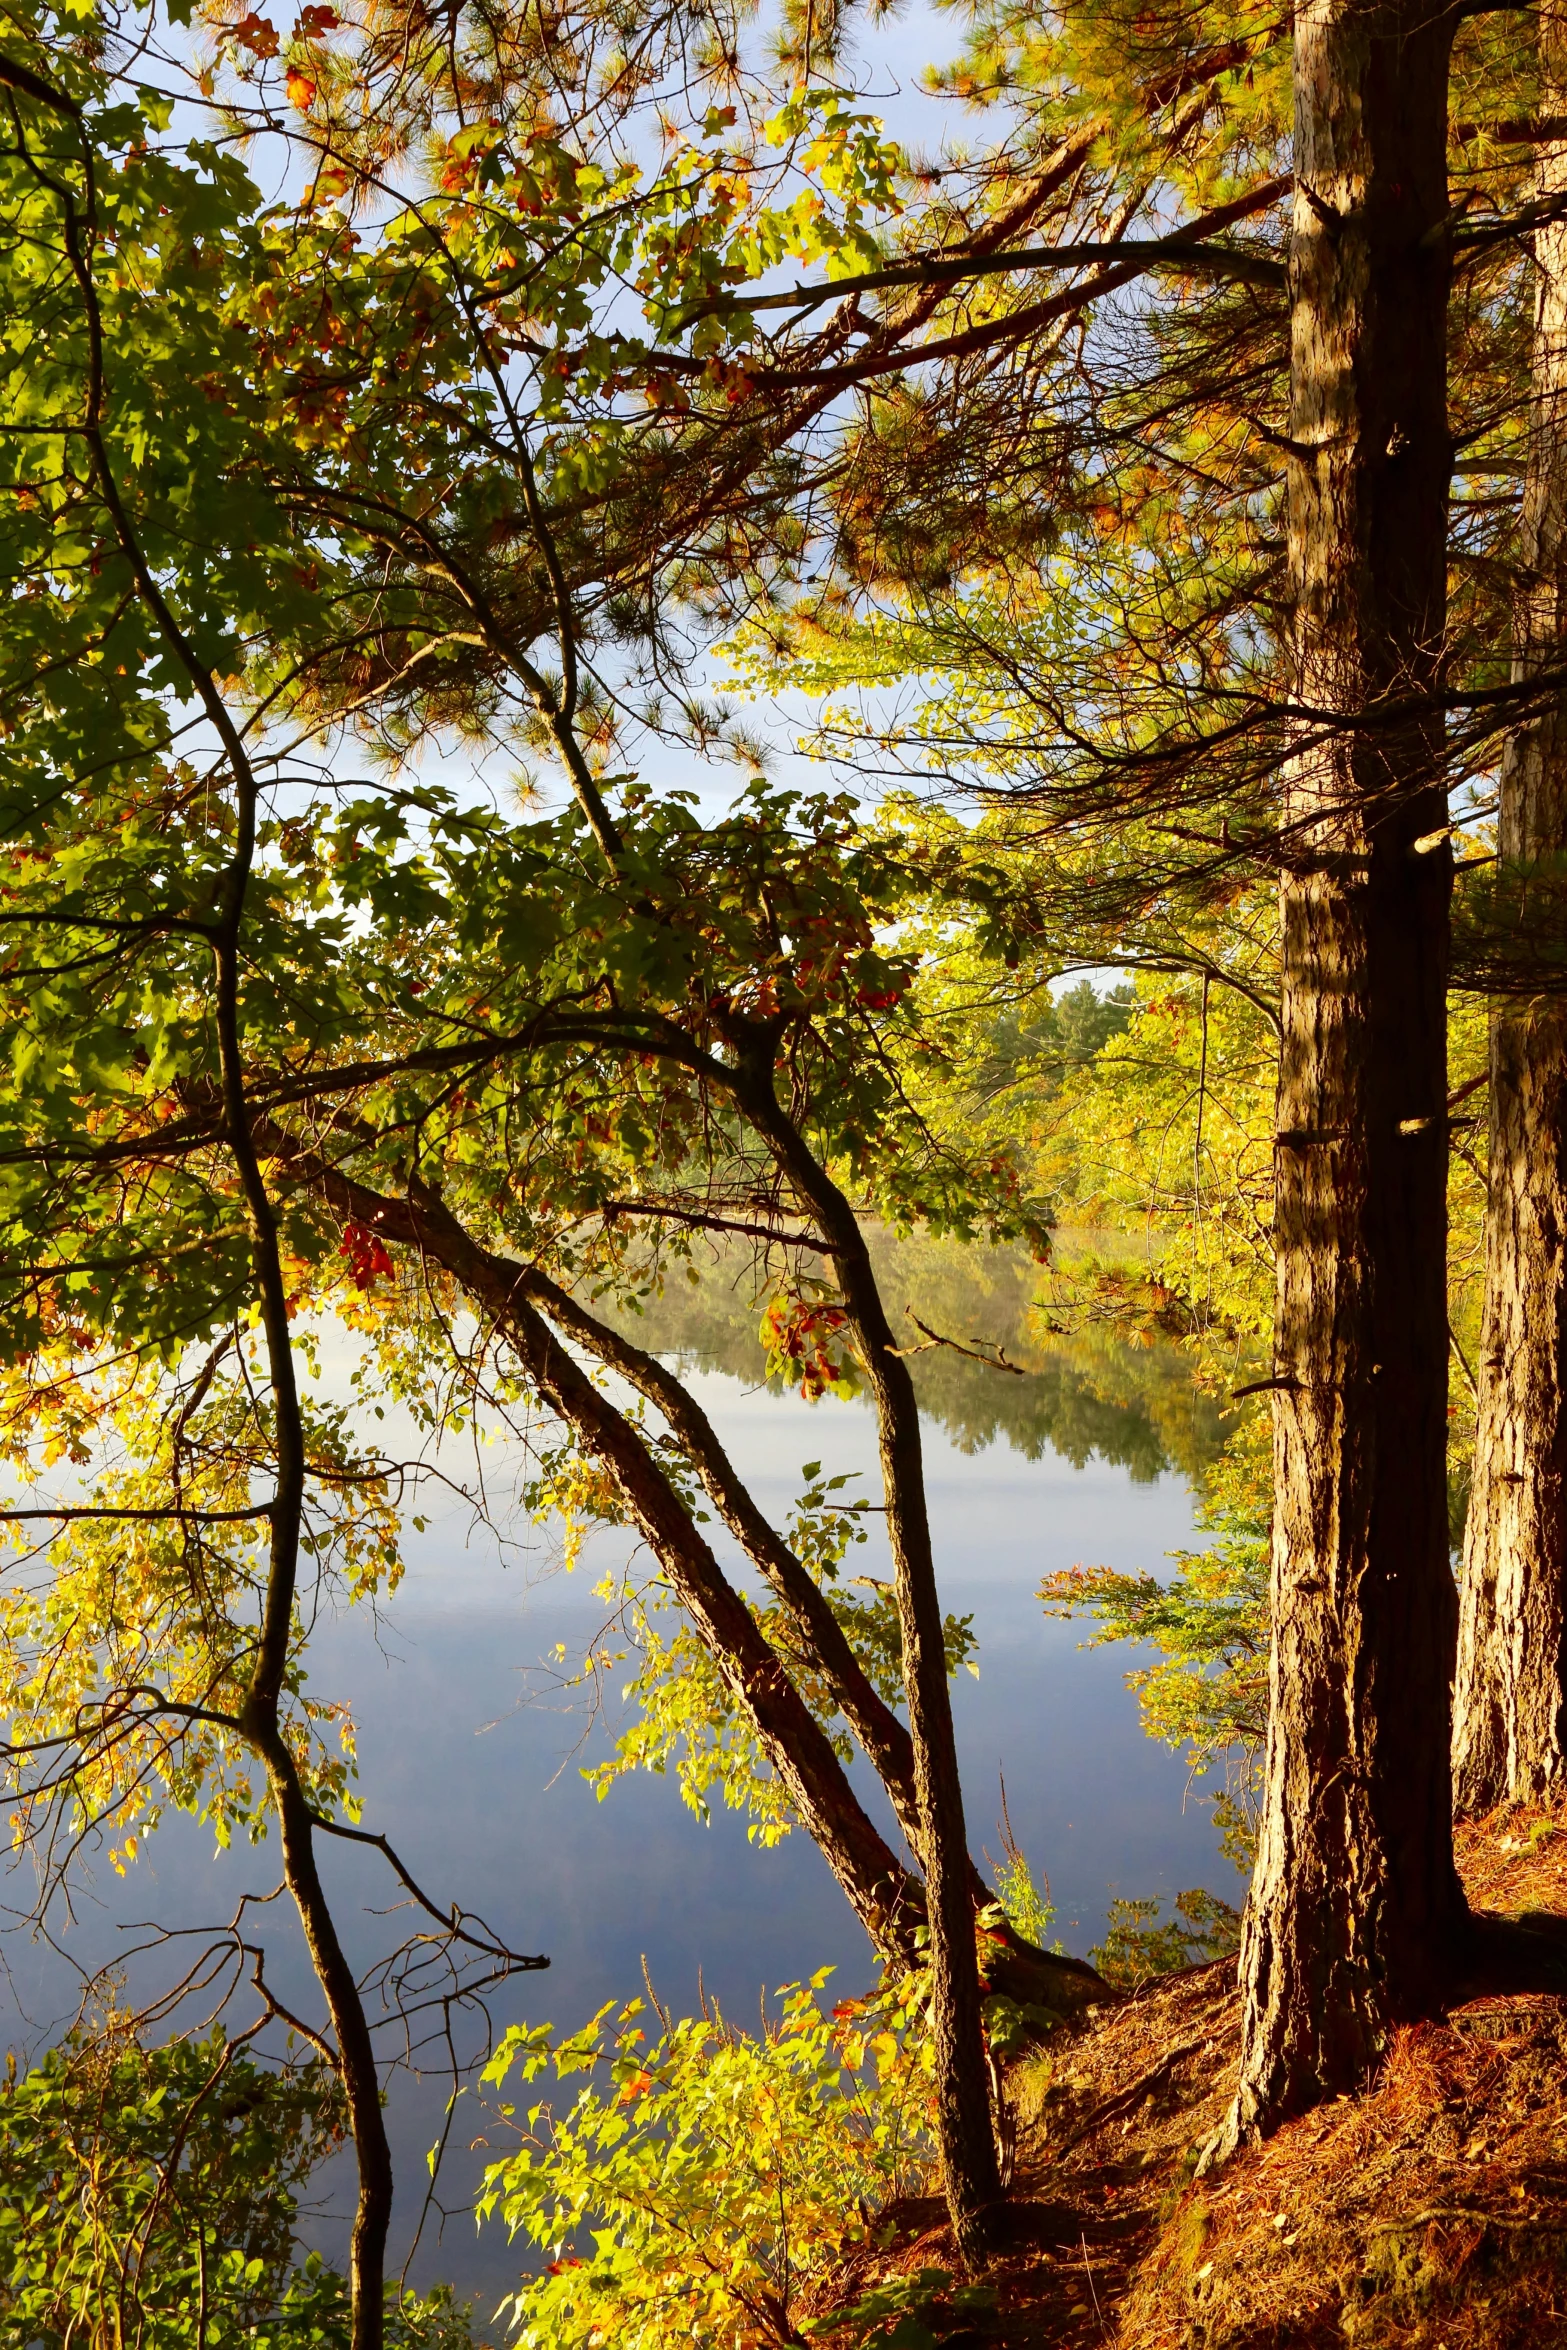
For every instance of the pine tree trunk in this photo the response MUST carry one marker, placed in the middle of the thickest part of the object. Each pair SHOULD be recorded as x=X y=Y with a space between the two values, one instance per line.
x=1510 y=1691
x=1355 y=1904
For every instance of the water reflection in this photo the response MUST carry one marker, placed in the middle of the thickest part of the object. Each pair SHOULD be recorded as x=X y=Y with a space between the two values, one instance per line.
x=471 y=1765
x=1088 y=1396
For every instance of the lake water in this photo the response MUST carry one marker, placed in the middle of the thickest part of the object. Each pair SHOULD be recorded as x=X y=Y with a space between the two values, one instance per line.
x=471 y=1759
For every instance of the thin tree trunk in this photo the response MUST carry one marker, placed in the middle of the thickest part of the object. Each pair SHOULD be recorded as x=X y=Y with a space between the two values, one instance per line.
x=260 y=1713
x=1355 y=1904
x=885 y=1897
x=882 y=1892
x=829 y=1809
x=356 y=2059
x=1015 y=1965
x=964 y=2127
x=882 y=1736
x=1510 y=1690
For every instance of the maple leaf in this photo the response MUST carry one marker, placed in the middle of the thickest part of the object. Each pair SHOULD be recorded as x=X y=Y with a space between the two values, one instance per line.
x=254 y=33
x=313 y=22
x=301 y=90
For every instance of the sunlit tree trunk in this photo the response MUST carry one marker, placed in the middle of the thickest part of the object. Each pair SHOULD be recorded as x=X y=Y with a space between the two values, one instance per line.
x=1356 y=1903
x=1510 y=1691
x=964 y=2126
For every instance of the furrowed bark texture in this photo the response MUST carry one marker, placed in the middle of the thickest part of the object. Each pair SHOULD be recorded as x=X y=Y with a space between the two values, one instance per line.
x=1510 y=1690
x=1355 y=1903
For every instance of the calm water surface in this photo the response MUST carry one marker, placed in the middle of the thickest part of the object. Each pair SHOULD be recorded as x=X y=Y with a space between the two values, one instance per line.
x=471 y=1761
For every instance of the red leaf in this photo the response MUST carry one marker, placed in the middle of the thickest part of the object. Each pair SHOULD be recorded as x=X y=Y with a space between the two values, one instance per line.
x=368 y=1261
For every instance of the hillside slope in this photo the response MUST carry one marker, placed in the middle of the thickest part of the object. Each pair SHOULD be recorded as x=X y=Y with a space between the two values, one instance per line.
x=1430 y=2211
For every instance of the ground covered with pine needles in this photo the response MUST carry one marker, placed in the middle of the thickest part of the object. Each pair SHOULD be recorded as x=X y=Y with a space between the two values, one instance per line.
x=1430 y=2211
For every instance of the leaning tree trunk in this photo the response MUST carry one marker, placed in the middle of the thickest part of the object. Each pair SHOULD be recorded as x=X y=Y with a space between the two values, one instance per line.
x=963 y=2118
x=1355 y=1901
x=1510 y=1691
x=889 y=1901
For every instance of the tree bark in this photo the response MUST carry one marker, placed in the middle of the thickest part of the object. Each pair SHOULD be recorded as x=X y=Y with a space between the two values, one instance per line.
x=1015 y=1965
x=964 y=2128
x=885 y=1897
x=1510 y=1690
x=356 y=2059
x=889 y=1901
x=851 y=1844
x=1355 y=1905
x=882 y=1736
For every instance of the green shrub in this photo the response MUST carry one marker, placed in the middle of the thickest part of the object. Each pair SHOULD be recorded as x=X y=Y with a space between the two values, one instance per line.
x=148 y=2199
x=694 y=2187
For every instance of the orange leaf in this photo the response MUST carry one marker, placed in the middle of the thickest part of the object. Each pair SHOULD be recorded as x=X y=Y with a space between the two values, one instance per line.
x=254 y=33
